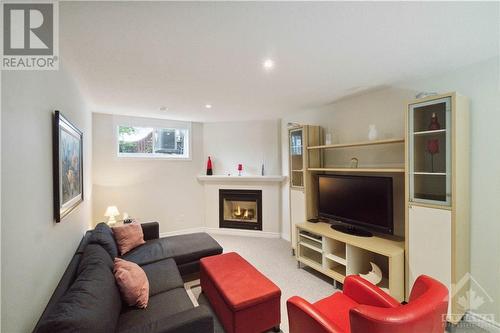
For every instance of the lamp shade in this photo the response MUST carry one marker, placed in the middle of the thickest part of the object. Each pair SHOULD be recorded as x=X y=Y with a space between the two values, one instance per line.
x=111 y=211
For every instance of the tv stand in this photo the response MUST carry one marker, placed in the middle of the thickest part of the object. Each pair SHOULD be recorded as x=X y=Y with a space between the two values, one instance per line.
x=346 y=229
x=337 y=255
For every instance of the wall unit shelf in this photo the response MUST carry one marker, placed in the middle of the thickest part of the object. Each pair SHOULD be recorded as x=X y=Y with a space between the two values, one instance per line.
x=343 y=254
x=358 y=144
x=370 y=170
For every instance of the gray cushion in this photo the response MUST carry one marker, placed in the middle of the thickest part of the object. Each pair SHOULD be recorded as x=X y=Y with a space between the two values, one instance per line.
x=159 y=306
x=163 y=276
x=103 y=235
x=181 y=248
x=92 y=304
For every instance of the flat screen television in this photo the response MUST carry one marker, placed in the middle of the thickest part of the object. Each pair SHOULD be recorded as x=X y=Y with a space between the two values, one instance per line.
x=356 y=204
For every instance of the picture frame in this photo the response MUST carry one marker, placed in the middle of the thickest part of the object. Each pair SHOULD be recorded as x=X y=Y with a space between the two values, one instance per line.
x=67 y=150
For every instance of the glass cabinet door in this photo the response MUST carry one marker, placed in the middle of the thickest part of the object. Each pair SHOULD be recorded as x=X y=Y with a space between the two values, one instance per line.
x=430 y=152
x=296 y=158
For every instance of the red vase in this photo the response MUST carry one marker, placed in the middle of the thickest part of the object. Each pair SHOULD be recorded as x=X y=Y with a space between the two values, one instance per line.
x=209 y=167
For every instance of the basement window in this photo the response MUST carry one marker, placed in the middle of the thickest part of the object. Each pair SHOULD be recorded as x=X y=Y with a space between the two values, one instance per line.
x=151 y=142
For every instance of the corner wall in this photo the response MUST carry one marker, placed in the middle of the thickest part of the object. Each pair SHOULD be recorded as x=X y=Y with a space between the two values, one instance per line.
x=35 y=249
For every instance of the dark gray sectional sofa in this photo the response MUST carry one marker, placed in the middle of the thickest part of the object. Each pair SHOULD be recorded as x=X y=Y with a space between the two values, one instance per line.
x=87 y=298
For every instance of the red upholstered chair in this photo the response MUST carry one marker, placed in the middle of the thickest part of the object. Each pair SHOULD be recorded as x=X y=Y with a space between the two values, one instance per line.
x=364 y=308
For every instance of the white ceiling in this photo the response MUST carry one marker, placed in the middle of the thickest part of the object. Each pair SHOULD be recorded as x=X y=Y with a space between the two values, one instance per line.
x=134 y=57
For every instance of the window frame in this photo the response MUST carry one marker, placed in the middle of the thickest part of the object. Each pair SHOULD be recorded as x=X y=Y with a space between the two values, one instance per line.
x=158 y=156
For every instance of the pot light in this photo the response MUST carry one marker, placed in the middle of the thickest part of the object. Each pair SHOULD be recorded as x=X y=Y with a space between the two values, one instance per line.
x=268 y=64
x=208 y=106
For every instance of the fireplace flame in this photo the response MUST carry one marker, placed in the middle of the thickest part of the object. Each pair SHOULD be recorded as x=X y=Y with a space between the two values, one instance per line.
x=246 y=213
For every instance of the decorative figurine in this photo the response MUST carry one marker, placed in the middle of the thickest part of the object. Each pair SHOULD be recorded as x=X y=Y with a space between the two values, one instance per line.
x=434 y=125
x=240 y=169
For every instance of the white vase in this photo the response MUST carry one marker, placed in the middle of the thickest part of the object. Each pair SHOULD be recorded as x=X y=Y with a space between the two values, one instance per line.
x=372 y=132
x=328 y=139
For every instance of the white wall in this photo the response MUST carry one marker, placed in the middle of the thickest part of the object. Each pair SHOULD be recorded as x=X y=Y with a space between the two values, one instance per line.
x=160 y=190
x=349 y=119
x=35 y=249
x=250 y=143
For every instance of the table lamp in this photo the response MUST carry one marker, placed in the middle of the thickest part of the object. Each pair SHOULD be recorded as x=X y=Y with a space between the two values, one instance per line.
x=111 y=212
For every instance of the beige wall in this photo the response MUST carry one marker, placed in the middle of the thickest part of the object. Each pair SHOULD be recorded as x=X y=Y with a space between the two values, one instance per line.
x=160 y=190
x=349 y=119
x=35 y=249
x=249 y=142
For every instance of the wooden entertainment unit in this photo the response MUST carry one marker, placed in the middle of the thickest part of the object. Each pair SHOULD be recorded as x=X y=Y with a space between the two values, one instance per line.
x=432 y=184
x=337 y=255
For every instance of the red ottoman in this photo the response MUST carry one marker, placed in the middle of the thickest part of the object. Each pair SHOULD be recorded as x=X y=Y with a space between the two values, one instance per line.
x=244 y=300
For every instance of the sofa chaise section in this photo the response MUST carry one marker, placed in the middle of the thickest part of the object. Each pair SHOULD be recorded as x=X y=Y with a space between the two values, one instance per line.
x=169 y=308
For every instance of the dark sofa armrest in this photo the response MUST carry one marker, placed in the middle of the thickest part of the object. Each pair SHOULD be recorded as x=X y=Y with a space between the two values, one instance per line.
x=196 y=320
x=151 y=230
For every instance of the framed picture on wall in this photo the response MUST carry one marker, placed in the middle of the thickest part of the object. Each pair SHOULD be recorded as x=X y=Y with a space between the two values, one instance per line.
x=68 y=166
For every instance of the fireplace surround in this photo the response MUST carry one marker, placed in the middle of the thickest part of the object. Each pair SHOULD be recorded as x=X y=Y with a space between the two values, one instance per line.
x=240 y=209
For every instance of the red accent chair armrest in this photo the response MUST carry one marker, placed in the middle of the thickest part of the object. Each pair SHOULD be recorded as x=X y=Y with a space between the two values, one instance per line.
x=426 y=312
x=366 y=293
x=304 y=318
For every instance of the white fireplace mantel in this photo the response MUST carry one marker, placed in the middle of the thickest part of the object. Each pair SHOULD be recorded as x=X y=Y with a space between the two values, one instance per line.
x=257 y=179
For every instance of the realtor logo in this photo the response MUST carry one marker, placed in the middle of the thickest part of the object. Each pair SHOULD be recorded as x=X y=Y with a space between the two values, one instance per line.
x=30 y=36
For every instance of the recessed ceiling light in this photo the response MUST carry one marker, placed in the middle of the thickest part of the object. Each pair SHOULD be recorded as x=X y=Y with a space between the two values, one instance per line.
x=208 y=106
x=163 y=108
x=268 y=64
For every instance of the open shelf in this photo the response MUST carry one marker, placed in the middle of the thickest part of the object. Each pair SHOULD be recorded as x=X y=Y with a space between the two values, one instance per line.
x=310 y=238
x=310 y=246
x=359 y=144
x=336 y=258
x=371 y=170
x=310 y=254
x=335 y=270
x=343 y=254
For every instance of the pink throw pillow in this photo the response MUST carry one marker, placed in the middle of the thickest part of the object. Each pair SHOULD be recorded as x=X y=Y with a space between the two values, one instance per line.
x=133 y=283
x=128 y=237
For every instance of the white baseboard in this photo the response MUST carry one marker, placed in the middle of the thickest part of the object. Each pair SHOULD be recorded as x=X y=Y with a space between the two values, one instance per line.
x=246 y=233
x=480 y=321
x=217 y=231
x=286 y=236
